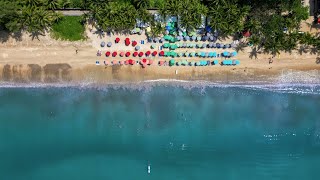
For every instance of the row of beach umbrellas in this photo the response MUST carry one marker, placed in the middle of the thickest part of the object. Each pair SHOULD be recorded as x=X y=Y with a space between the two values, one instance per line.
x=203 y=45
x=199 y=54
x=135 y=54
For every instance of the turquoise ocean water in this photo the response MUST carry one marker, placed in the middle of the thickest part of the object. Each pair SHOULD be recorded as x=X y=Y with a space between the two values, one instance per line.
x=183 y=133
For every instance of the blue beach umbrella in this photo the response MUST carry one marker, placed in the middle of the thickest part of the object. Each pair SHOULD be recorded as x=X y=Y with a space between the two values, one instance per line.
x=218 y=45
x=234 y=53
x=214 y=45
x=102 y=44
x=205 y=38
x=214 y=54
x=203 y=45
x=186 y=38
x=193 y=38
x=225 y=54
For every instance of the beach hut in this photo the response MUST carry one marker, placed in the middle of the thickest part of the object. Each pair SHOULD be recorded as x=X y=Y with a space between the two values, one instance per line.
x=102 y=44
x=148 y=53
x=137 y=48
x=154 y=53
x=128 y=54
x=140 y=54
x=109 y=44
x=114 y=54
x=161 y=53
x=117 y=40
x=122 y=54
x=108 y=53
x=171 y=62
x=134 y=43
x=135 y=54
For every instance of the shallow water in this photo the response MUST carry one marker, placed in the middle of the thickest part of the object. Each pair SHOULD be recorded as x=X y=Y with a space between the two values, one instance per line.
x=217 y=132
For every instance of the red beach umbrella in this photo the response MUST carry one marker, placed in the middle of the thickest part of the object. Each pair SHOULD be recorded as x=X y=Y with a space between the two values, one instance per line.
x=117 y=40
x=126 y=62
x=144 y=61
x=140 y=54
x=108 y=53
x=150 y=62
x=135 y=54
x=131 y=62
x=128 y=54
x=154 y=53
x=161 y=53
x=161 y=63
x=106 y=62
x=144 y=65
x=148 y=53
x=134 y=43
x=122 y=54
x=127 y=41
x=114 y=62
x=114 y=54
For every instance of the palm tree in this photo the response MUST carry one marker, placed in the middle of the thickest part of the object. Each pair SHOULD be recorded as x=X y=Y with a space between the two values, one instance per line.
x=141 y=3
x=52 y=4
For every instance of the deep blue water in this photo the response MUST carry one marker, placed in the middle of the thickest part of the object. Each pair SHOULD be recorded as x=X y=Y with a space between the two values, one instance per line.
x=212 y=133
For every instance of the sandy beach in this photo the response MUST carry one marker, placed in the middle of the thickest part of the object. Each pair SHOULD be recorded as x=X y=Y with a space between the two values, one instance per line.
x=46 y=60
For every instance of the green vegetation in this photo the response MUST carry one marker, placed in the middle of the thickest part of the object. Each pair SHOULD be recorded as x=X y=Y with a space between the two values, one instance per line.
x=68 y=28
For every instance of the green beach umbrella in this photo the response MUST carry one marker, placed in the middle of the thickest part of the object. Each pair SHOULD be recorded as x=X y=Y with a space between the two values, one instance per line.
x=192 y=54
x=178 y=45
x=152 y=46
x=198 y=53
x=180 y=54
x=173 y=46
x=192 y=63
x=166 y=45
x=186 y=54
x=179 y=63
x=167 y=37
x=166 y=53
x=198 y=45
x=171 y=62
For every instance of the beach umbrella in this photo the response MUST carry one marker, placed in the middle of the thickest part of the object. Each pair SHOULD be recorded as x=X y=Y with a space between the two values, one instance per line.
x=144 y=61
x=193 y=38
x=203 y=54
x=184 y=45
x=128 y=54
x=173 y=54
x=173 y=46
x=180 y=54
x=203 y=45
x=114 y=62
x=148 y=53
x=228 y=45
x=137 y=48
x=186 y=38
x=167 y=32
x=167 y=37
x=205 y=38
x=161 y=53
x=192 y=54
x=127 y=41
x=109 y=44
x=199 y=38
x=166 y=54
x=198 y=63
x=214 y=45
x=156 y=40
x=171 y=62
x=134 y=43
x=166 y=45
x=218 y=45
x=114 y=54
x=152 y=46
x=210 y=45
x=140 y=54
x=102 y=44
x=214 y=54
x=122 y=54
x=234 y=53
x=178 y=45
x=178 y=38
x=192 y=45
x=233 y=45
x=117 y=40
x=224 y=46
x=150 y=39
x=198 y=54
x=161 y=40
x=106 y=62
x=154 y=53
x=150 y=62
x=135 y=54
x=161 y=63
x=215 y=34
x=186 y=54
x=121 y=62
x=198 y=45
x=108 y=53
x=225 y=54
x=131 y=62
x=192 y=63
x=210 y=54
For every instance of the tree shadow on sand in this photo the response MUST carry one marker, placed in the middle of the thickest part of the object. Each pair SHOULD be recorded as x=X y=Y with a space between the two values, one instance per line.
x=5 y=35
x=318 y=60
x=254 y=53
x=35 y=35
